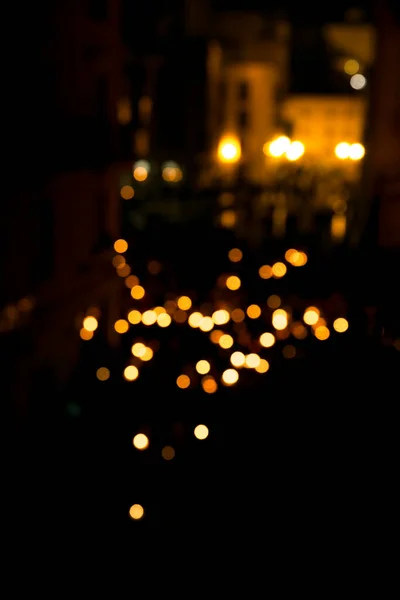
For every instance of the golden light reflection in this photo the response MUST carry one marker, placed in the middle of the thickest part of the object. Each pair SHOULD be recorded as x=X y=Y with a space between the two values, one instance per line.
x=238 y=359
x=340 y=325
x=136 y=512
x=206 y=324
x=321 y=332
x=85 y=334
x=265 y=272
x=253 y=311
x=131 y=373
x=252 y=361
x=201 y=432
x=195 y=319
x=280 y=319
x=209 y=384
x=279 y=269
x=216 y=335
x=235 y=255
x=141 y=441
x=263 y=367
x=228 y=218
x=226 y=341
x=233 y=282
x=149 y=317
x=137 y=292
x=203 y=367
x=121 y=326
x=311 y=315
x=184 y=303
x=138 y=349
x=230 y=377
x=103 y=374
x=134 y=317
x=220 y=317
x=168 y=453
x=229 y=150
x=183 y=382
x=120 y=246
x=238 y=315
x=127 y=192
x=163 y=320
x=274 y=301
x=267 y=340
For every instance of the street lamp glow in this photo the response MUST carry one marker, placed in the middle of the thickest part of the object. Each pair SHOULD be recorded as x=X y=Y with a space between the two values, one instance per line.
x=277 y=147
x=229 y=150
x=295 y=151
x=342 y=150
x=356 y=152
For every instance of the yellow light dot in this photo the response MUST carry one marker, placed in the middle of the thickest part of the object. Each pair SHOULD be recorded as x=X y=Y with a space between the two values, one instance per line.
x=134 y=317
x=322 y=332
x=170 y=306
x=85 y=334
x=252 y=361
x=233 y=282
x=90 y=323
x=168 y=453
x=141 y=441
x=127 y=192
x=230 y=377
x=228 y=218
x=149 y=317
x=263 y=367
x=120 y=246
x=229 y=150
x=226 y=341
x=311 y=315
x=340 y=325
x=237 y=315
x=238 y=359
x=203 y=367
x=103 y=374
x=274 y=301
x=183 y=382
x=147 y=355
x=136 y=512
x=137 y=292
x=220 y=317
x=299 y=331
x=140 y=174
x=180 y=316
x=201 y=432
x=164 y=320
x=131 y=373
x=351 y=66
x=253 y=311
x=279 y=319
x=138 y=349
x=265 y=272
x=195 y=319
x=184 y=303
x=289 y=351
x=118 y=261
x=267 y=340
x=121 y=326
x=159 y=310
x=299 y=259
x=206 y=324
x=235 y=255
x=209 y=384
x=279 y=269
x=289 y=253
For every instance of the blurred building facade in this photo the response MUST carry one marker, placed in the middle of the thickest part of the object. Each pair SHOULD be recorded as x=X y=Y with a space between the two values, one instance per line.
x=62 y=215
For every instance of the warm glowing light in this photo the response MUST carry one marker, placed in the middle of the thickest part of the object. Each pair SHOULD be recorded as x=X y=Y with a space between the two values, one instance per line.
x=103 y=374
x=149 y=317
x=252 y=361
x=228 y=218
x=206 y=324
x=342 y=150
x=183 y=382
x=209 y=384
x=322 y=332
x=121 y=326
x=134 y=317
x=263 y=367
x=298 y=330
x=184 y=303
x=131 y=373
x=311 y=315
x=203 y=367
x=216 y=335
x=229 y=150
x=90 y=323
x=295 y=151
x=235 y=255
x=136 y=512
x=220 y=317
x=120 y=246
x=279 y=319
x=137 y=292
x=351 y=66
x=279 y=269
x=163 y=320
x=253 y=311
x=201 y=432
x=267 y=340
x=195 y=319
x=277 y=147
x=340 y=325
x=127 y=192
x=85 y=334
x=147 y=355
x=226 y=341
x=141 y=441
x=131 y=281
x=274 y=301
x=238 y=359
x=171 y=172
x=237 y=315
x=138 y=349
x=230 y=376
x=265 y=272
x=356 y=152
x=233 y=282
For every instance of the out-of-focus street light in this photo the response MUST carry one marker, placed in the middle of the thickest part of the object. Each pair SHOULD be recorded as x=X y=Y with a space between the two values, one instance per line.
x=141 y=170
x=171 y=172
x=229 y=150
x=283 y=146
x=344 y=151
